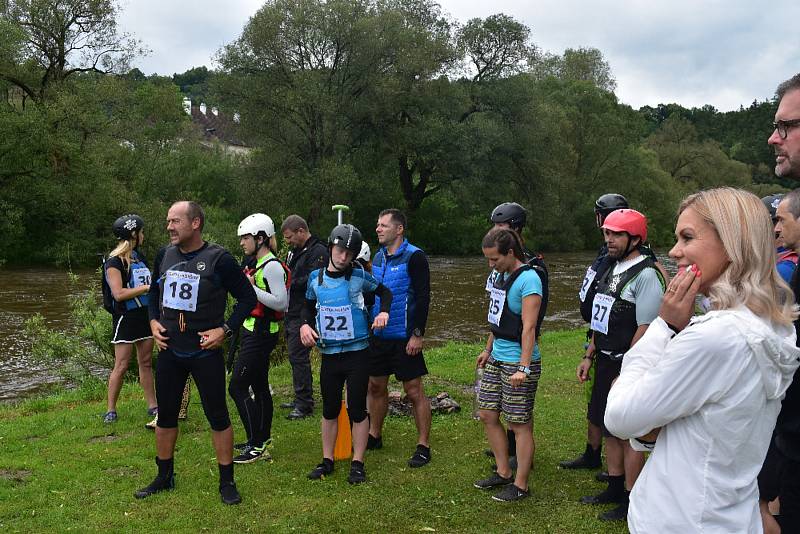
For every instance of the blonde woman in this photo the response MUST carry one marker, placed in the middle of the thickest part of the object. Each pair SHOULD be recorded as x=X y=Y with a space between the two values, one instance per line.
x=128 y=278
x=704 y=392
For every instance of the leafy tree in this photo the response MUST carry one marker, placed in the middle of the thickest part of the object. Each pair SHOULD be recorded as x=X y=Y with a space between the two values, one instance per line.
x=581 y=64
x=46 y=42
x=496 y=47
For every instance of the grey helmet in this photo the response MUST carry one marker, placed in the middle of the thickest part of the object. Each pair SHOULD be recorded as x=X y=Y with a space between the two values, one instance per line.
x=346 y=236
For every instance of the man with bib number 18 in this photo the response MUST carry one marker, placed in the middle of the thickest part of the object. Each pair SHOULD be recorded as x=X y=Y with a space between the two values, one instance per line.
x=626 y=300
x=336 y=319
x=189 y=291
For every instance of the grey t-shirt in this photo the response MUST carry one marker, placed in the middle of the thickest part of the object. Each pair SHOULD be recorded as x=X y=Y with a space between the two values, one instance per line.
x=646 y=290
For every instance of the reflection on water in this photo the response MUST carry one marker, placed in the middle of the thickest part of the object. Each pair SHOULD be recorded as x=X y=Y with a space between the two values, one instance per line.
x=458 y=308
x=23 y=293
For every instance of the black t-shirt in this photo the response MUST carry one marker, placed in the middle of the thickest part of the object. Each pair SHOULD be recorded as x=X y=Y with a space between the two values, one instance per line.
x=123 y=267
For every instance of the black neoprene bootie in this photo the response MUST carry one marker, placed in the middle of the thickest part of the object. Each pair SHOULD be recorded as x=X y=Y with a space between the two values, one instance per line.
x=590 y=459
x=620 y=513
x=165 y=480
x=615 y=492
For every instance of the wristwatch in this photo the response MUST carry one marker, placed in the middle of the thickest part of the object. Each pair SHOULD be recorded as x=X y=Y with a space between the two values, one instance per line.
x=227 y=330
x=417 y=332
x=524 y=369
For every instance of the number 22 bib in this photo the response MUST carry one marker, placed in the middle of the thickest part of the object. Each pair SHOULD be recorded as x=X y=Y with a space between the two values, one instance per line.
x=336 y=323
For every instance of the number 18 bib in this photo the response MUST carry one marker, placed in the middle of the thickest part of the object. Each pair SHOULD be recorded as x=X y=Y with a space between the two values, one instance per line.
x=180 y=290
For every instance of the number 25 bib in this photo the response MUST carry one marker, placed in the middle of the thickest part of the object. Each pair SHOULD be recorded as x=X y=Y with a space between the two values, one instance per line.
x=497 y=299
x=180 y=290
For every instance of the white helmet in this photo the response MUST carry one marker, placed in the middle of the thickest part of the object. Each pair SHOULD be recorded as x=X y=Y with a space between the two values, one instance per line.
x=365 y=253
x=255 y=223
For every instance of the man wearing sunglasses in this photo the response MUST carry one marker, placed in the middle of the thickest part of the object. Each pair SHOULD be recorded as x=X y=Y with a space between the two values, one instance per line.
x=780 y=476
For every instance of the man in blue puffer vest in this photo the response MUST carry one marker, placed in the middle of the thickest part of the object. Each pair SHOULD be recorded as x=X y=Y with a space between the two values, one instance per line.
x=397 y=349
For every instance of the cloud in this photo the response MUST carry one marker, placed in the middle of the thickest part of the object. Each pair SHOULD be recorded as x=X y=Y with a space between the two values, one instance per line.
x=691 y=52
x=183 y=34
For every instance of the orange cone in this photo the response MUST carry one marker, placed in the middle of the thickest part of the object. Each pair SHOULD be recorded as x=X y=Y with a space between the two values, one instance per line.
x=344 y=439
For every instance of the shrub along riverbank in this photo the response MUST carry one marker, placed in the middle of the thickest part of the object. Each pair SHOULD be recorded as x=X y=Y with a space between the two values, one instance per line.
x=62 y=469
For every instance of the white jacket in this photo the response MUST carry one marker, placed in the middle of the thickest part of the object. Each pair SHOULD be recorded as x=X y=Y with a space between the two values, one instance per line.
x=715 y=389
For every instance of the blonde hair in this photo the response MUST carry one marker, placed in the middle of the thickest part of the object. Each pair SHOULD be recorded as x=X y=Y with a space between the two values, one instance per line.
x=124 y=249
x=745 y=229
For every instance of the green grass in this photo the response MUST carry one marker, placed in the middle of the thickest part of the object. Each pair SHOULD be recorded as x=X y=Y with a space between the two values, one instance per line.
x=62 y=469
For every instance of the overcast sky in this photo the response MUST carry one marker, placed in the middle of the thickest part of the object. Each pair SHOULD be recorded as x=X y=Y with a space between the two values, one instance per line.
x=692 y=52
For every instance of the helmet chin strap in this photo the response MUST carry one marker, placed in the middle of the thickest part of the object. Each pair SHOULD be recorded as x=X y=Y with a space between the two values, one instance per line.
x=630 y=248
x=330 y=254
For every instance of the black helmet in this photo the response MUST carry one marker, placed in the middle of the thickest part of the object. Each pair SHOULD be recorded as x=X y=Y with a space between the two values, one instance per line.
x=511 y=213
x=346 y=236
x=771 y=202
x=610 y=202
x=124 y=227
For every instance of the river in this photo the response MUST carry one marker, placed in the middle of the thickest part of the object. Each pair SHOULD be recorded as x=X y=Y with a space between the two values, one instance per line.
x=457 y=309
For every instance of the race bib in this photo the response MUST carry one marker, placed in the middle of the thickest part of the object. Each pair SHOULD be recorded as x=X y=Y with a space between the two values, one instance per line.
x=180 y=290
x=490 y=281
x=587 y=283
x=140 y=277
x=601 y=309
x=497 y=300
x=336 y=323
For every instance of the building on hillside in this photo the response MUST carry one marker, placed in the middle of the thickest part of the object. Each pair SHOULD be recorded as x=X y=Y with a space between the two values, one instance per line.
x=217 y=128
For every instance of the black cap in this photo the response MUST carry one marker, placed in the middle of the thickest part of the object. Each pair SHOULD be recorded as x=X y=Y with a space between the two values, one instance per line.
x=346 y=236
x=610 y=202
x=124 y=227
x=771 y=202
x=511 y=213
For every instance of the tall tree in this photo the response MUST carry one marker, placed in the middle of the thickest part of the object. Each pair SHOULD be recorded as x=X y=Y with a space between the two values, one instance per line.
x=45 y=42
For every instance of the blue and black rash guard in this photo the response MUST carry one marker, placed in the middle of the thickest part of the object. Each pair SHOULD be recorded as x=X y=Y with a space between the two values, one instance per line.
x=311 y=309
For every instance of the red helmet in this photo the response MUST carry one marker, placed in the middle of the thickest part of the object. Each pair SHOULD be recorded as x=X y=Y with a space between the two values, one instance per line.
x=629 y=221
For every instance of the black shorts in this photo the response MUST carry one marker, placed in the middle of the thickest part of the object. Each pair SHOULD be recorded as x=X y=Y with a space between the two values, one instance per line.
x=389 y=357
x=605 y=371
x=131 y=326
x=209 y=376
x=336 y=370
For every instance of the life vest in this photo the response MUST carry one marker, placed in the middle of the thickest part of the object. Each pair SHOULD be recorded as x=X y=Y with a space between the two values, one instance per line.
x=341 y=312
x=589 y=286
x=192 y=298
x=536 y=262
x=138 y=274
x=262 y=311
x=614 y=318
x=391 y=270
x=504 y=323
x=787 y=255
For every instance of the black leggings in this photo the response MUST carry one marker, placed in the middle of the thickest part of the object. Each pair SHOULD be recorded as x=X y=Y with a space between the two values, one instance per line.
x=209 y=375
x=336 y=369
x=252 y=371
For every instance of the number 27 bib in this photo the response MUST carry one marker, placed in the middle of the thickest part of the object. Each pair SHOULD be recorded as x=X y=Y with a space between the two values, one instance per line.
x=180 y=290
x=601 y=310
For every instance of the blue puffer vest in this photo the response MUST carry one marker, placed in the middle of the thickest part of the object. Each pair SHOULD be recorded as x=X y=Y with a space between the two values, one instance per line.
x=392 y=271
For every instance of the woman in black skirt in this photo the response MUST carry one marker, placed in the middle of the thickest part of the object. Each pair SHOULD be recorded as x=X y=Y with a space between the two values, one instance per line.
x=128 y=278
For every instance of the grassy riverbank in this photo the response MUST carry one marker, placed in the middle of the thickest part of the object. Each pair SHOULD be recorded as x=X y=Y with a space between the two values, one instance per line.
x=62 y=469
